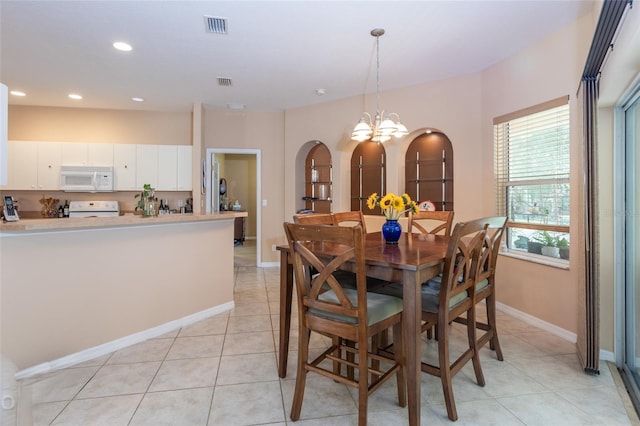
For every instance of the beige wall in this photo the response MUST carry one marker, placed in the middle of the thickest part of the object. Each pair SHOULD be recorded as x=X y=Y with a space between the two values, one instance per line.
x=99 y=125
x=452 y=106
x=261 y=131
x=65 y=292
x=547 y=70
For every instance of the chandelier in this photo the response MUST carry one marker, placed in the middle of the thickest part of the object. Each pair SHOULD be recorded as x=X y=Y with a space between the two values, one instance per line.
x=384 y=125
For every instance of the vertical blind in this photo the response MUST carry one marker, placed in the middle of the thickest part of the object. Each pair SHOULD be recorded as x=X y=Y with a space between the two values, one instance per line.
x=531 y=151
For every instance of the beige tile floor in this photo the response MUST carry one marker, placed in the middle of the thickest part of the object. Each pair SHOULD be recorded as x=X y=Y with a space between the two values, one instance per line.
x=222 y=371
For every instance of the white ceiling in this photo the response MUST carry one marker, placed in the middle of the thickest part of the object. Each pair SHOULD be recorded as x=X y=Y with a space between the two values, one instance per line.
x=277 y=53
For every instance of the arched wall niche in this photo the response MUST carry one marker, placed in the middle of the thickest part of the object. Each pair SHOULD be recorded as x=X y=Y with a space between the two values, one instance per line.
x=428 y=168
x=368 y=174
x=314 y=182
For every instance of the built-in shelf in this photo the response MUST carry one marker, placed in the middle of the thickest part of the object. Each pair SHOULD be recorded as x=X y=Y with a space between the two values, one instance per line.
x=318 y=185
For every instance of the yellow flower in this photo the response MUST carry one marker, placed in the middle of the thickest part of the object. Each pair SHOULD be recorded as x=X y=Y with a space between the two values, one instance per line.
x=371 y=202
x=387 y=201
x=398 y=204
x=393 y=206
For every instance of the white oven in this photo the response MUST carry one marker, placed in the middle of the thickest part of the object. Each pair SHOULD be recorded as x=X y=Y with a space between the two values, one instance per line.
x=87 y=179
x=94 y=209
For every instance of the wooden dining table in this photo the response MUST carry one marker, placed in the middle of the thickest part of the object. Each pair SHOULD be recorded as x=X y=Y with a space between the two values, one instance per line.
x=412 y=261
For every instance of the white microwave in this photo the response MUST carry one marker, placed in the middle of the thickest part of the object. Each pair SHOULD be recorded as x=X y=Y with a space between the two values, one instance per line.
x=87 y=179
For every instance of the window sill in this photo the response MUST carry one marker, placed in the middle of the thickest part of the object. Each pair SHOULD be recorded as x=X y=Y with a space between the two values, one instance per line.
x=536 y=258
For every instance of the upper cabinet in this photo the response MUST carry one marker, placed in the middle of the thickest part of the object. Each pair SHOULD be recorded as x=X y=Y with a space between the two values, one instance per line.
x=36 y=165
x=147 y=165
x=87 y=154
x=185 y=167
x=124 y=165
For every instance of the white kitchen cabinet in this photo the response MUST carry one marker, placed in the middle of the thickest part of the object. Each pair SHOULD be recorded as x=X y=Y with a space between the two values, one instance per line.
x=100 y=154
x=124 y=164
x=74 y=153
x=147 y=165
x=49 y=162
x=34 y=165
x=23 y=165
x=185 y=168
x=167 y=167
x=174 y=168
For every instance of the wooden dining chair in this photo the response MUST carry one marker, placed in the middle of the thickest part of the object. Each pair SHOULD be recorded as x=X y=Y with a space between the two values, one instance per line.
x=346 y=314
x=350 y=218
x=431 y=222
x=452 y=298
x=486 y=285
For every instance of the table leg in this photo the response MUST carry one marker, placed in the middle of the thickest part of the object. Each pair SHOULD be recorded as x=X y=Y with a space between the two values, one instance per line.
x=286 y=292
x=412 y=320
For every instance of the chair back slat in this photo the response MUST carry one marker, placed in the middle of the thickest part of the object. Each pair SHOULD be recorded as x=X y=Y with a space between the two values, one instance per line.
x=431 y=222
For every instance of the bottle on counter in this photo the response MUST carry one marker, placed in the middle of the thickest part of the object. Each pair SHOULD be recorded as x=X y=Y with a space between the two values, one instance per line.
x=65 y=209
x=161 y=207
x=60 y=211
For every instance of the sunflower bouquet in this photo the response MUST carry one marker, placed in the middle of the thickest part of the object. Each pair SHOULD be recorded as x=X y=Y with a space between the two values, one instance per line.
x=393 y=206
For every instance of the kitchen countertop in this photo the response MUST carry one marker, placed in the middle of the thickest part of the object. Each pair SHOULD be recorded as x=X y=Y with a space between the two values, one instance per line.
x=67 y=224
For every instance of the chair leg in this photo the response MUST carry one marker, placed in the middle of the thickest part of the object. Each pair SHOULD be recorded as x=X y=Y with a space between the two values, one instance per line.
x=398 y=351
x=301 y=374
x=494 y=343
x=363 y=383
x=473 y=345
x=445 y=370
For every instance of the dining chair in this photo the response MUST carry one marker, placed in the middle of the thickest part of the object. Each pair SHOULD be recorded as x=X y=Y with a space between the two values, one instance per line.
x=486 y=283
x=350 y=218
x=453 y=297
x=431 y=222
x=346 y=314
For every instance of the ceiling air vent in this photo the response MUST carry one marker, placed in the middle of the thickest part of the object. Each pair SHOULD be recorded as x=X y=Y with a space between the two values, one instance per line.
x=224 y=81
x=215 y=25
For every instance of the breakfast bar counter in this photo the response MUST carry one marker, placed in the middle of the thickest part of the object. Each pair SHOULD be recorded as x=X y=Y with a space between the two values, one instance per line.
x=73 y=289
x=47 y=225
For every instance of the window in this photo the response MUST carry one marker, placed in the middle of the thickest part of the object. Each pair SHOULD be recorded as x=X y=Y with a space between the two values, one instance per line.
x=532 y=177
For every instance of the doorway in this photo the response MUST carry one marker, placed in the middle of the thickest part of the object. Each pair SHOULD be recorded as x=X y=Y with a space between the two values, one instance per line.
x=241 y=170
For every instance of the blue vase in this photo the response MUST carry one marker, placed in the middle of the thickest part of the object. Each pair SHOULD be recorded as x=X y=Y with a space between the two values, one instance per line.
x=391 y=231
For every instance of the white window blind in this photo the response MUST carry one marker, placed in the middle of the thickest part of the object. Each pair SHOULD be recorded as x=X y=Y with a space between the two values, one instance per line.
x=531 y=152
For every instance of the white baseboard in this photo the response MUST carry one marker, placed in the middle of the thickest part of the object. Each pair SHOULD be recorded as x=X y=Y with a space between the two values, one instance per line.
x=269 y=264
x=607 y=356
x=530 y=319
x=100 y=350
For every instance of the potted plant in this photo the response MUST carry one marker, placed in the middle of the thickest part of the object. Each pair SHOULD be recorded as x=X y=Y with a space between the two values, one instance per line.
x=549 y=244
x=146 y=201
x=563 y=246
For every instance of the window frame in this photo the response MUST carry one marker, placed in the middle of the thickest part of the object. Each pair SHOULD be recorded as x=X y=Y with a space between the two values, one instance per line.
x=503 y=181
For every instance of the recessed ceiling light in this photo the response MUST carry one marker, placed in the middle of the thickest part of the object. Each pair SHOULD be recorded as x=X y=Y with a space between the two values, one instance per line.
x=121 y=45
x=137 y=99
x=75 y=96
x=17 y=93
